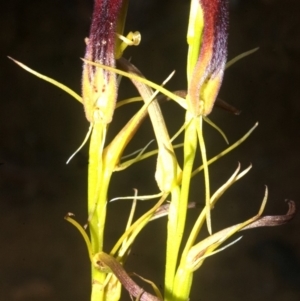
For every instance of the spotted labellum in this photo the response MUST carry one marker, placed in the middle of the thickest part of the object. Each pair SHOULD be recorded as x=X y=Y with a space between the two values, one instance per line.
x=99 y=86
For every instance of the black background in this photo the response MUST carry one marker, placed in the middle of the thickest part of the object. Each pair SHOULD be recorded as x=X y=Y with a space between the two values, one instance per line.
x=41 y=256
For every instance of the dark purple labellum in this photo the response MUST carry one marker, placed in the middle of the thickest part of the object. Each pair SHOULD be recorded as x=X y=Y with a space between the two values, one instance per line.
x=208 y=73
x=99 y=89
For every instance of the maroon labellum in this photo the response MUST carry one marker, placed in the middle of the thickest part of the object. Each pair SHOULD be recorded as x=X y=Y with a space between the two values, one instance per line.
x=99 y=88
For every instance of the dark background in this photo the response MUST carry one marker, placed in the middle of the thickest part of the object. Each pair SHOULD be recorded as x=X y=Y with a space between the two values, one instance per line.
x=41 y=256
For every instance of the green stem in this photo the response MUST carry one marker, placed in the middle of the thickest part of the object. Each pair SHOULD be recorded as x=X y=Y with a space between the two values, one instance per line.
x=182 y=284
x=177 y=216
x=97 y=204
x=174 y=238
